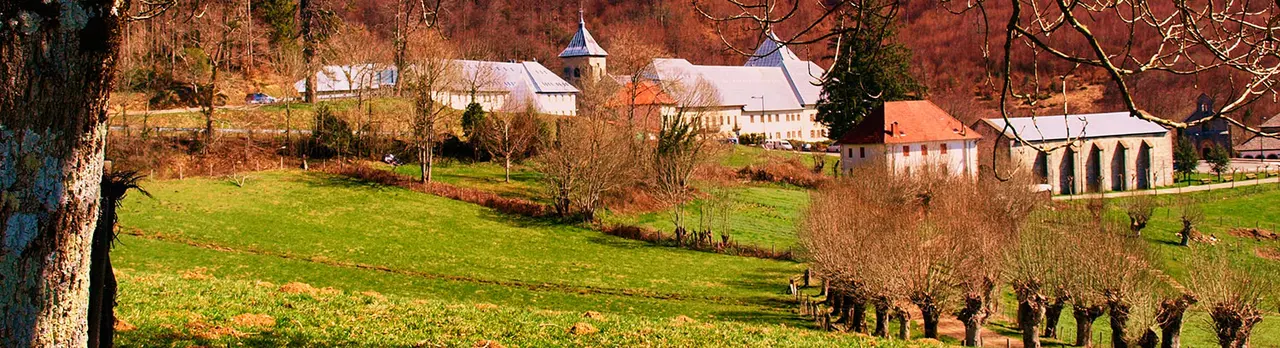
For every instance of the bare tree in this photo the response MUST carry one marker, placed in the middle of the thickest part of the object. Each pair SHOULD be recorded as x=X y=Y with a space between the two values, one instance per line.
x=1140 y=209
x=57 y=66
x=509 y=134
x=1189 y=213
x=683 y=145
x=1234 y=298
x=411 y=16
x=432 y=72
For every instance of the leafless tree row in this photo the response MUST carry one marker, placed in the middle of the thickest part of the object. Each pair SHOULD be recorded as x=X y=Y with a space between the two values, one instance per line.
x=949 y=246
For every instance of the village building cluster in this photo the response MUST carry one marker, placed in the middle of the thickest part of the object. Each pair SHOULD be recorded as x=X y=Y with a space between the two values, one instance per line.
x=775 y=95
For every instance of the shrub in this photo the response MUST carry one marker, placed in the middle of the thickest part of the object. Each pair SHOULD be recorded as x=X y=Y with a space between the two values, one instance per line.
x=751 y=139
x=330 y=135
x=789 y=171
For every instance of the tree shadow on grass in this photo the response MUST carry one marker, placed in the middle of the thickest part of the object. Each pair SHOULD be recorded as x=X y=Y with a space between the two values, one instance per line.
x=171 y=337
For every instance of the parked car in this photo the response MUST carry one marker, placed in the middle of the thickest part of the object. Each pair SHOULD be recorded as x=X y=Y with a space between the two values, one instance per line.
x=778 y=145
x=259 y=98
x=833 y=148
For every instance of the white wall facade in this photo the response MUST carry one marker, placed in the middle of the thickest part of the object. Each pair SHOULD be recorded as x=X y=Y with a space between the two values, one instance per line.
x=958 y=157
x=562 y=104
x=1159 y=166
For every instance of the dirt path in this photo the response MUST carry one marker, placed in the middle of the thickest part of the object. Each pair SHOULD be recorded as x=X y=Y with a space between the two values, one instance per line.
x=950 y=327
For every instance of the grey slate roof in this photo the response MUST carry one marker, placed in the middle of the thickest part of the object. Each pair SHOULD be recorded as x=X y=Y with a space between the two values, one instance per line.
x=771 y=53
x=582 y=44
x=515 y=77
x=1062 y=127
x=346 y=78
x=788 y=86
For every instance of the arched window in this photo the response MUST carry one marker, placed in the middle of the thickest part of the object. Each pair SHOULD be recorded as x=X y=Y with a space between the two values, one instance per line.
x=567 y=70
x=577 y=72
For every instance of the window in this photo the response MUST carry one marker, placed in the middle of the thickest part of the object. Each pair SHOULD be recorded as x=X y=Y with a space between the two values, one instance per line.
x=850 y=153
x=753 y=118
x=577 y=72
x=779 y=134
x=862 y=152
x=924 y=150
x=906 y=150
x=944 y=148
x=567 y=71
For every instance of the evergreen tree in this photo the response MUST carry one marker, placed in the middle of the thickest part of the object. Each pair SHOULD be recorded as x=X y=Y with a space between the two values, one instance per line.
x=1185 y=158
x=1219 y=160
x=472 y=118
x=870 y=68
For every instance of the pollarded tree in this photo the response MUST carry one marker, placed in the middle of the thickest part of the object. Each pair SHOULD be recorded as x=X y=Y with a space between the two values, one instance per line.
x=1235 y=299
x=1139 y=209
x=57 y=66
x=1189 y=213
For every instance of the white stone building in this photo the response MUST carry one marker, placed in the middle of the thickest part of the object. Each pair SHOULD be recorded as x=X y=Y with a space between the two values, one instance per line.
x=910 y=136
x=1261 y=147
x=1092 y=152
x=775 y=93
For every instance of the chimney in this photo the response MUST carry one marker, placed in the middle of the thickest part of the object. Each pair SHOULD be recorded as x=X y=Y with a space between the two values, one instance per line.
x=893 y=129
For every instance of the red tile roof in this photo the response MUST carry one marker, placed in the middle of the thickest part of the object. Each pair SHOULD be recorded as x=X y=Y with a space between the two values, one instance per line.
x=913 y=121
x=645 y=93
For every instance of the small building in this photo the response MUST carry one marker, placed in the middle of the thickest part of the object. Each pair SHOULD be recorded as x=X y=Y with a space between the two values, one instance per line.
x=1213 y=132
x=494 y=85
x=346 y=81
x=911 y=135
x=1089 y=153
x=1261 y=147
x=491 y=84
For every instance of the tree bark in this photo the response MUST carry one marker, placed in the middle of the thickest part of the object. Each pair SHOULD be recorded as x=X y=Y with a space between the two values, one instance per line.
x=57 y=63
x=1031 y=308
x=837 y=304
x=1085 y=316
x=858 y=314
x=1119 y=314
x=972 y=316
x=1053 y=313
x=306 y=12
x=929 y=314
x=1170 y=318
x=904 y=323
x=506 y=168
x=882 y=319
x=1186 y=233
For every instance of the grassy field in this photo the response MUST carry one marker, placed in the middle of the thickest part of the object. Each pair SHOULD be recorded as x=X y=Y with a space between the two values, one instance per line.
x=759 y=214
x=274 y=116
x=189 y=310
x=525 y=182
x=741 y=156
x=200 y=246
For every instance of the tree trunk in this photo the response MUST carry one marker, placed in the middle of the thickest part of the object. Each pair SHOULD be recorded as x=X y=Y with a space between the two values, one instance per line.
x=1148 y=339
x=1085 y=316
x=929 y=314
x=1169 y=317
x=972 y=316
x=838 y=306
x=506 y=169
x=904 y=324
x=1030 y=313
x=882 y=319
x=1053 y=313
x=102 y=304
x=55 y=76
x=1186 y=233
x=306 y=12
x=857 y=314
x=1119 y=315
x=422 y=165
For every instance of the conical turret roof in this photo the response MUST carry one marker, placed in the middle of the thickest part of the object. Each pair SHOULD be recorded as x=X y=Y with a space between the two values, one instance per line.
x=582 y=44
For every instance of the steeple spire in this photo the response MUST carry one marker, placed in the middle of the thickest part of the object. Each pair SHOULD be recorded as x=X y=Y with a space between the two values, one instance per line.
x=771 y=52
x=582 y=44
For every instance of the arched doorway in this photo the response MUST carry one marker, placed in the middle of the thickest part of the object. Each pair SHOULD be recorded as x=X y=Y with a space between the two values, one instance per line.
x=1118 y=168
x=1093 y=170
x=1067 y=173
x=1143 y=167
x=1040 y=169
